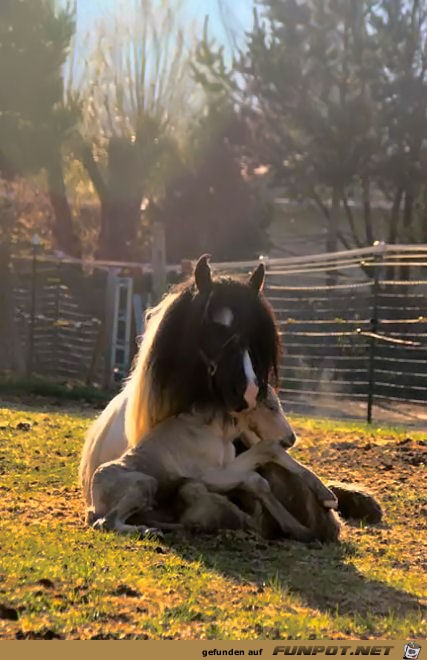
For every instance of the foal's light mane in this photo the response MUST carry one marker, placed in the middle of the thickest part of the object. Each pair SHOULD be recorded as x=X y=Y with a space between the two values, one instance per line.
x=144 y=410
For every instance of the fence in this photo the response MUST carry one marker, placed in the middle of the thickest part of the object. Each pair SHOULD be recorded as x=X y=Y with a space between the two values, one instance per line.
x=353 y=324
x=69 y=316
x=59 y=319
x=354 y=329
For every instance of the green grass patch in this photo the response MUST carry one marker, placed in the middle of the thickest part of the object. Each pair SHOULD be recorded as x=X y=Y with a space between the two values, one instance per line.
x=59 y=579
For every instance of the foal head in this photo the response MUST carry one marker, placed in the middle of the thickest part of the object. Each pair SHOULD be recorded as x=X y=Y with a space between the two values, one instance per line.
x=266 y=422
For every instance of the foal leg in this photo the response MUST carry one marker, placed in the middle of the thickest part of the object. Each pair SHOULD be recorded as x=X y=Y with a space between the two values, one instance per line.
x=118 y=494
x=210 y=511
x=296 y=496
x=272 y=452
x=226 y=479
x=267 y=451
x=259 y=488
x=322 y=492
x=231 y=476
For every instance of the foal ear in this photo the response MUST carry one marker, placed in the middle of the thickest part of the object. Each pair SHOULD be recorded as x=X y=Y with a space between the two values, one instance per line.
x=256 y=280
x=203 y=275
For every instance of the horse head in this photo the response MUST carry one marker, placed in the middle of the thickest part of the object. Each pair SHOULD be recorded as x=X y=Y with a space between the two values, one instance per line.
x=205 y=283
x=237 y=338
x=212 y=340
x=231 y=378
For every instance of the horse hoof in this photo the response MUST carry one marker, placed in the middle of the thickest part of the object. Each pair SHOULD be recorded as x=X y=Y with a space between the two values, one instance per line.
x=354 y=502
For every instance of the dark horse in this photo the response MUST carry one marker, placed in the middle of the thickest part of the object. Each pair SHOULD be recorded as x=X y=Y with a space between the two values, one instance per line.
x=211 y=341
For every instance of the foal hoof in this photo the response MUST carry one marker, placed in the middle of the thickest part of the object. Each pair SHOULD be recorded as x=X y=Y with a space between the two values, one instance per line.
x=331 y=504
x=151 y=533
x=100 y=524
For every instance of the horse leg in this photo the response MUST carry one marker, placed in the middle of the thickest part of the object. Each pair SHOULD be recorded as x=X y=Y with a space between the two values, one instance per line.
x=354 y=502
x=111 y=522
x=163 y=526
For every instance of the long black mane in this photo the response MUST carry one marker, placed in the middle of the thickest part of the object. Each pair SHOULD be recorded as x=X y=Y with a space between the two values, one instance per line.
x=175 y=360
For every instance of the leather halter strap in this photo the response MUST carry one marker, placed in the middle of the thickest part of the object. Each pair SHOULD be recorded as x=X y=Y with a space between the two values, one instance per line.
x=212 y=365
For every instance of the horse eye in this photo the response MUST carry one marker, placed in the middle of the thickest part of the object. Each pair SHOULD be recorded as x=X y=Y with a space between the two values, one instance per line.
x=271 y=405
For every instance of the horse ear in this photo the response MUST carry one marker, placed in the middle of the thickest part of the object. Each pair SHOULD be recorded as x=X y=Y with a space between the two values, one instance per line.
x=203 y=275
x=256 y=280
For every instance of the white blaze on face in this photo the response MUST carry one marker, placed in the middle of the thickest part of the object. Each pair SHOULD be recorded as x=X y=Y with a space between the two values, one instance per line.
x=252 y=389
x=224 y=316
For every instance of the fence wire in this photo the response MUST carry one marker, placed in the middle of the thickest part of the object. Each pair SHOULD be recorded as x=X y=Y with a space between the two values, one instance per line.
x=361 y=335
x=353 y=324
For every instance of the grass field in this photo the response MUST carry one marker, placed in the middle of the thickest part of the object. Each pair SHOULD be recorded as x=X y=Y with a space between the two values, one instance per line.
x=58 y=579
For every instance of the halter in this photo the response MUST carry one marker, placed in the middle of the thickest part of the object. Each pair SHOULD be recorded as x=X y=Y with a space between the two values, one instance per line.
x=206 y=307
x=212 y=365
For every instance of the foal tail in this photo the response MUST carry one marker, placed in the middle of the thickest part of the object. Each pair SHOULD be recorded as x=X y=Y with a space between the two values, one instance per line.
x=97 y=448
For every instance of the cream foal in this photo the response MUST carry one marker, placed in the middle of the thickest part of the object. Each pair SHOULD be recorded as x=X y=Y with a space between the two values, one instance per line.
x=198 y=446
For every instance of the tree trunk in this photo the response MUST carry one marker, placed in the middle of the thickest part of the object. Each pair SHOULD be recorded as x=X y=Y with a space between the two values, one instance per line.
x=394 y=223
x=367 y=213
x=11 y=354
x=65 y=237
x=119 y=224
x=120 y=197
x=423 y=217
x=394 y=216
x=332 y=240
x=408 y=213
x=351 y=222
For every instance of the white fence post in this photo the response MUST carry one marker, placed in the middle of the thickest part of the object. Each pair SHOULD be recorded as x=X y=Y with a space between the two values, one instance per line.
x=158 y=260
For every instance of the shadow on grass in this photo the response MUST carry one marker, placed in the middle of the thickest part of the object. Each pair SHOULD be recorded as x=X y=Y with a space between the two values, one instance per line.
x=322 y=576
